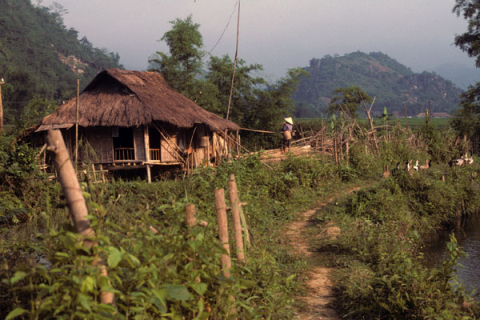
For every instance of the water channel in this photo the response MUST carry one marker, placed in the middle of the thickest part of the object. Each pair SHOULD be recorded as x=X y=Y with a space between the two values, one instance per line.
x=468 y=238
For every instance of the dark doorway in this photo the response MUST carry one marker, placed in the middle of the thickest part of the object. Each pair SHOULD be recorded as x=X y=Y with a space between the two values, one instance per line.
x=123 y=144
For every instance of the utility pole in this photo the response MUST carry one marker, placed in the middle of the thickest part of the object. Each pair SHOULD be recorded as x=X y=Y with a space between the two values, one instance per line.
x=1 y=105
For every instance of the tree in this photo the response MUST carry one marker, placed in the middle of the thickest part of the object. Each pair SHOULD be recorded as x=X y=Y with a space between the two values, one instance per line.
x=466 y=120
x=276 y=101
x=245 y=90
x=470 y=40
x=58 y=11
x=34 y=111
x=255 y=103
x=347 y=100
x=185 y=60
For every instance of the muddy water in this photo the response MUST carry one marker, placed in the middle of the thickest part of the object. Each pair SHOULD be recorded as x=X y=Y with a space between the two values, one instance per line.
x=468 y=237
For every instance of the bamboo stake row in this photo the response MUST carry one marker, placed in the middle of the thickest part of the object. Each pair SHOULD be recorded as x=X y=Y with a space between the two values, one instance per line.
x=79 y=212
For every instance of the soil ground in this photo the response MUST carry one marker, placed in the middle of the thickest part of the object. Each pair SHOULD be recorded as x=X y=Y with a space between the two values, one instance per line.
x=319 y=292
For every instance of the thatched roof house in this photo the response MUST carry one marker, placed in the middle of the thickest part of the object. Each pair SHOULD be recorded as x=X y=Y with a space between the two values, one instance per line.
x=135 y=117
x=125 y=98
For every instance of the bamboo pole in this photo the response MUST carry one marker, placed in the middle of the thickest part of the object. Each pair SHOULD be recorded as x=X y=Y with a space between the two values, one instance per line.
x=223 y=230
x=237 y=227
x=370 y=120
x=68 y=180
x=335 y=148
x=234 y=63
x=190 y=215
x=1 y=106
x=171 y=144
x=76 y=126
x=75 y=200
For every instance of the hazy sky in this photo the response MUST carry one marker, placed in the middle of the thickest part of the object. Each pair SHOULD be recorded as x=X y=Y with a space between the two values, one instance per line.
x=279 y=34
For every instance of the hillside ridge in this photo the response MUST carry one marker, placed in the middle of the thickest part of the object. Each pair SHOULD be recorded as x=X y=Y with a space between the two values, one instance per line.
x=394 y=85
x=41 y=58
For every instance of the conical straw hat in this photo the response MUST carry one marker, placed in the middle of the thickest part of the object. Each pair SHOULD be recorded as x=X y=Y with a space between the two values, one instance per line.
x=288 y=120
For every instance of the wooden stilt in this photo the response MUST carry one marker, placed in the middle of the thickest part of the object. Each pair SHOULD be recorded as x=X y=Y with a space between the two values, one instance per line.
x=149 y=174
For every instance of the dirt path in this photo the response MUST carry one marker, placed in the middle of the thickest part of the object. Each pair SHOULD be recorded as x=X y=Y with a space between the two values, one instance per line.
x=319 y=294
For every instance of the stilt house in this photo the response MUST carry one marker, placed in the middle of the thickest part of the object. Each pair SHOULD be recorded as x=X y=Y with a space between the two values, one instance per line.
x=134 y=119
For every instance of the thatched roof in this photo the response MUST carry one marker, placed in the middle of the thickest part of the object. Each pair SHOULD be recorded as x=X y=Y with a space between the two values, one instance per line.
x=123 y=98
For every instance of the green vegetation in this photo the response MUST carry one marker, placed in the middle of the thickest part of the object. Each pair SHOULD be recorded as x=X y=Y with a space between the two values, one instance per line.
x=381 y=270
x=46 y=271
x=394 y=85
x=41 y=59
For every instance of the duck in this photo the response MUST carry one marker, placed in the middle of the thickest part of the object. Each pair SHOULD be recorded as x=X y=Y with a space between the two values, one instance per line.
x=415 y=167
x=408 y=165
x=468 y=161
x=428 y=164
x=386 y=172
x=456 y=162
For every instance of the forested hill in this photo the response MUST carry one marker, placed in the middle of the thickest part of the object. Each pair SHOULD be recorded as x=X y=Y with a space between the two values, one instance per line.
x=41 y=58
x=393 y=84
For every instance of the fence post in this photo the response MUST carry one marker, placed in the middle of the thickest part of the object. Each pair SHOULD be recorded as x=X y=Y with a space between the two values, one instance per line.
x=71 y=187
x=223 y=230
x=75 y=200
x=190 y=213
x=237 y=227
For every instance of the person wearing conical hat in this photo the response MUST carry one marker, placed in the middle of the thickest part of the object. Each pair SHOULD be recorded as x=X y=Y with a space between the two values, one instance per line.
x=287 y=133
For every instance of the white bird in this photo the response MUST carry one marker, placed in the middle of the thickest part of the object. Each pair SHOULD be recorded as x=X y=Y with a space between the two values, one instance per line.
x=416 y=166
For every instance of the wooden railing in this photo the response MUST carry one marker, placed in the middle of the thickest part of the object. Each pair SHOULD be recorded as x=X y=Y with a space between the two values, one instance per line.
x=154 y=154
x=124 y=154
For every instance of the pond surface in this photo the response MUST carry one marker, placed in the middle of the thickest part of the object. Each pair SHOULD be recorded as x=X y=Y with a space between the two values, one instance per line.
x=468 y=238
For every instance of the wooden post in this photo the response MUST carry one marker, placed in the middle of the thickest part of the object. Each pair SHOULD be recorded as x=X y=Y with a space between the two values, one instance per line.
x=103 y=173
x=238 y=143
x=208 y=151
x=149 y=173
x=1 y=106
x=94 y=173
x=223 y=230
x=146 y=139
x=237 y=227
x=76 y=126
x=190 y=213
x=75 y=200
x=335 y=148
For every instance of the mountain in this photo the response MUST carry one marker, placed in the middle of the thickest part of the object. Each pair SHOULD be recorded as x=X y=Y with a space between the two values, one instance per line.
x=41 y=58
x=460 y=74
x=393 y=84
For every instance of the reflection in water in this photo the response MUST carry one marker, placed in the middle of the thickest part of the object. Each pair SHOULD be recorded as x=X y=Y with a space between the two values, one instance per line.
x=468 y=237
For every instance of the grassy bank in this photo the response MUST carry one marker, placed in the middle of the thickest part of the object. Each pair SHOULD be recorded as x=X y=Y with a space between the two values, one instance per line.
x=381 y=270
